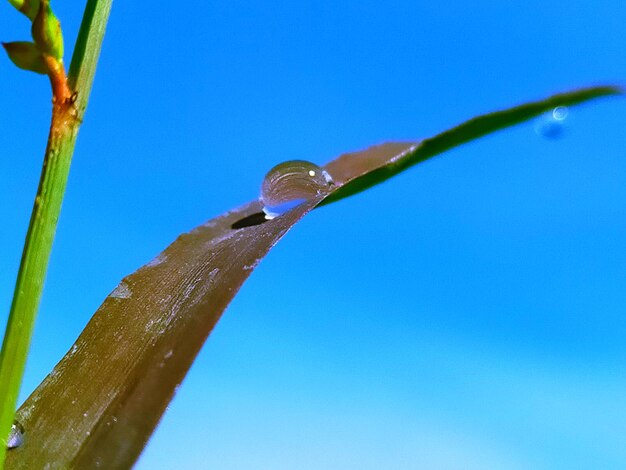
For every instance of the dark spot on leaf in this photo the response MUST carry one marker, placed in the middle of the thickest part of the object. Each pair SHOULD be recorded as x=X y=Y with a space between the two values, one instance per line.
x=257 y=218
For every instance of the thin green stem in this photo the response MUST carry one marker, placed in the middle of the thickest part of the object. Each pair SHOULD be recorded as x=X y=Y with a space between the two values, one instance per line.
x=31 y=275
x=66 y=120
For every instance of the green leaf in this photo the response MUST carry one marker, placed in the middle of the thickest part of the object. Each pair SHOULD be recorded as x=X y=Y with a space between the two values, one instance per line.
x=18 y=4
x=102 y=401
x=28 y=7
x=46 y=31
x=378 y=170
x=26 y=56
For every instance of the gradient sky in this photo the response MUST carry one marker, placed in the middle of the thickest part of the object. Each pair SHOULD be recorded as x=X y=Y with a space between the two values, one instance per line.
x=468 y=314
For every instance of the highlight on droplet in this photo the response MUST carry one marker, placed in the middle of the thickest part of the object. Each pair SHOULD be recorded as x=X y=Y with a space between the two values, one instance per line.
x=552 y=124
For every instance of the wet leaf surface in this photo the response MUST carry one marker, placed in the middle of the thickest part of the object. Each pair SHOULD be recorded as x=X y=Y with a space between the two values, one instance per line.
x=101 y=403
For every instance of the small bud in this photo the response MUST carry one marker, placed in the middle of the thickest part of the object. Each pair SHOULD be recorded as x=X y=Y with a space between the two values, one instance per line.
x=46 y=31
x=17 y=4
x=26 y=56
x=28 y=7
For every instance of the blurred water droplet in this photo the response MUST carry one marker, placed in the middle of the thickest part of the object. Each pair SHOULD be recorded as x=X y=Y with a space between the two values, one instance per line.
x=16 y=436
x=291 y=183
x=560 y=113
x=552 y=124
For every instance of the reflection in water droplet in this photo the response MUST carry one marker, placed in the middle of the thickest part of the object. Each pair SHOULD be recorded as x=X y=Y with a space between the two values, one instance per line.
x=16 y=436
x=290 y=184
x=560 y=113
x=551 y=125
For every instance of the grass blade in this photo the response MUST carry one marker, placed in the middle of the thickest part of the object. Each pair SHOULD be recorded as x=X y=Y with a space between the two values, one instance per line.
x=377 y=169
x=100 y=404
x=102 y=401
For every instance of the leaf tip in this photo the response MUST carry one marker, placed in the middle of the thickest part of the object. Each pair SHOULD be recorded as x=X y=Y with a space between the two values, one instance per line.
x=26 y=56
x=27 y=7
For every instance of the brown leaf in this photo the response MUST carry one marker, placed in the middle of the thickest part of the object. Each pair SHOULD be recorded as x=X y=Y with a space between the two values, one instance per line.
x=101 y=403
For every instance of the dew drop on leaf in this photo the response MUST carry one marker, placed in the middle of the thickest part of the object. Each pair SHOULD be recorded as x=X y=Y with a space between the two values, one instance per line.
x=552 y=124
x=291 y=183
x=16 y=436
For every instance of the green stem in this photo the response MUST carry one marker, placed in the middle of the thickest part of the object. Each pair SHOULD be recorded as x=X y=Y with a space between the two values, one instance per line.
x=31 y=275
x=66 y=120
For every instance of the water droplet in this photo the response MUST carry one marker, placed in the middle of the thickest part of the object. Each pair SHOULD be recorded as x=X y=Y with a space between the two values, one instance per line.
x=560 y=113
x=552 y=124
x=290 y=184
x=16 y=436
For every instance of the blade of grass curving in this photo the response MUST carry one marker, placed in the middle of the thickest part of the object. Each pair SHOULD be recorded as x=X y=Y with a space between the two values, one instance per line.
x=378 y=170
x=100 y=404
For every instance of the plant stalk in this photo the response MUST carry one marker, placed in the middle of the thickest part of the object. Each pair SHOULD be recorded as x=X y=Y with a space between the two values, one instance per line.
x=70 y=98
x=34 y=263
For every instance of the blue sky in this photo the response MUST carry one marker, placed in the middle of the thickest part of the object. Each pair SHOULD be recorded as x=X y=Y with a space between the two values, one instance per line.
x=467 y=314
